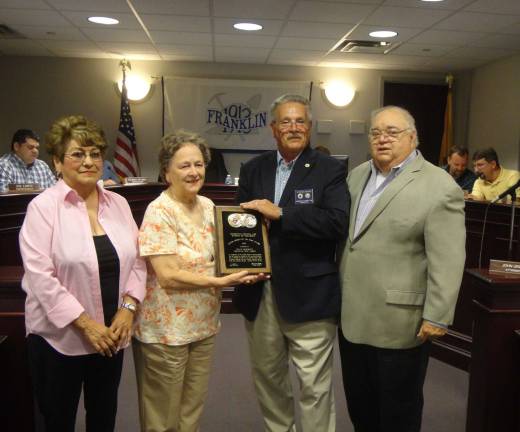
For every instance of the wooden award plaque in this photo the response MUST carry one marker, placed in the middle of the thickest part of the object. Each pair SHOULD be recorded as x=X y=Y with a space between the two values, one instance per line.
x=242 y=241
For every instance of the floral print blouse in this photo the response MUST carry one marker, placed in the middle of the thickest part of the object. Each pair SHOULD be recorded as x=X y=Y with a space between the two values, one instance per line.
x=178 y=316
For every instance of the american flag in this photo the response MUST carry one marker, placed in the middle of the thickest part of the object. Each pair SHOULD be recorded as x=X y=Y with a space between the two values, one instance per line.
x=125 y=158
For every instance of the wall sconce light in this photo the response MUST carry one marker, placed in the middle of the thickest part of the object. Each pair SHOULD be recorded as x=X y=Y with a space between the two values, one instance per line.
x=138 y=89
x=338 y=93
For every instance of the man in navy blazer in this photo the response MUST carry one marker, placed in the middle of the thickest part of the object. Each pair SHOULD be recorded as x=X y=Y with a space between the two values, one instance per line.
x=292 y=317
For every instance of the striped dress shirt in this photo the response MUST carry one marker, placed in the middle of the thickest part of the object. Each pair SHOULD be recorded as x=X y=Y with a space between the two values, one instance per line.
x=283 y=172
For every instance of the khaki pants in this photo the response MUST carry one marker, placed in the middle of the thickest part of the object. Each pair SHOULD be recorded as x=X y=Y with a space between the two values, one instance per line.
x=272 y=344
x=172 y=384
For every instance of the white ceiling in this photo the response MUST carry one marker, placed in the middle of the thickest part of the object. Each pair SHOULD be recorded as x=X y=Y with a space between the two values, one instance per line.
x=444 y=36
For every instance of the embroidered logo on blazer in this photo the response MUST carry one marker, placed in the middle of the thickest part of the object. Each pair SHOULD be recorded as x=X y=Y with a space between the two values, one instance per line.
x=304 y=196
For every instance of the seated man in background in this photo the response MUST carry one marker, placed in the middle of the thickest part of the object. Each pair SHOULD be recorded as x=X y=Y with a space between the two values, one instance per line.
x=457 y=168
x=22 y=165
x=493 y=179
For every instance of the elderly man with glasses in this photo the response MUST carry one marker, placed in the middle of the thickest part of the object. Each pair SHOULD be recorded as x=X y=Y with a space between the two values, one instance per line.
x=401 y=270
x=293 y=317
x=22 y=166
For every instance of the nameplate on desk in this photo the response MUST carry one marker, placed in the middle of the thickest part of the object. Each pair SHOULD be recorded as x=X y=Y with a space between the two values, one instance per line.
x=508 y=268
x=23 y=187
x=242 y=241
x=136 y=180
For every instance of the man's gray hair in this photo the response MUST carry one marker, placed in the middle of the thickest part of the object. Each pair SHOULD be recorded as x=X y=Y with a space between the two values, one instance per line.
x=286 y=98
x=405 y=113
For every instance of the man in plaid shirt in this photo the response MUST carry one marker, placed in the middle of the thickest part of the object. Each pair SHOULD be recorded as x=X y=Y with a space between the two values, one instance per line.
x=22 y=165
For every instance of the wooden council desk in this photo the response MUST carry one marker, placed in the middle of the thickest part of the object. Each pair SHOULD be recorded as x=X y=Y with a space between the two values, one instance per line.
x=16 y=400
x=455 y=348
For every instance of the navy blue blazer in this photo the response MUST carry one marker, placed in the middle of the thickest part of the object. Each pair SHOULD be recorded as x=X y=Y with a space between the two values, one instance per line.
x=303 y=242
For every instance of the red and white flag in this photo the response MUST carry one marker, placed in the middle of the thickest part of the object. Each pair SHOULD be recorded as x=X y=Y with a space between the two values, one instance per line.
x=125 y=158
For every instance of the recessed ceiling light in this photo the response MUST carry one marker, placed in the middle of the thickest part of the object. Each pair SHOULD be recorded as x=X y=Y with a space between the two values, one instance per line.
x=383 y=34
x=103 y=20
x=432 y=0
x=248 y=26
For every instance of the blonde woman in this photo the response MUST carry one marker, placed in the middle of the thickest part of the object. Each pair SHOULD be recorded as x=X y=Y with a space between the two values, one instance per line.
x=83 y=278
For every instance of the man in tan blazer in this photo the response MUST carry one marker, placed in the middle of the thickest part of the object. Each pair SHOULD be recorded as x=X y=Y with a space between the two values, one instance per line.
x=401 y=271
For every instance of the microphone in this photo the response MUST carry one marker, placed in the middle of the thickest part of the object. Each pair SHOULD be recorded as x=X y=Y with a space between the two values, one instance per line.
x=507 y=192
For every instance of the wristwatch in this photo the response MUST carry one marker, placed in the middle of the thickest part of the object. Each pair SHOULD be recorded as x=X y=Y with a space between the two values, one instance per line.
x=130 y=306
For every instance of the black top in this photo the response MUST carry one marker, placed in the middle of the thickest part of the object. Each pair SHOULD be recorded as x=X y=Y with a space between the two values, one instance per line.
x=108 y=263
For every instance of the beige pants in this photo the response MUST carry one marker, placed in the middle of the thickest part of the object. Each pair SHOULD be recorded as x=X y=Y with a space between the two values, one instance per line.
x=172 y=384
x=272 y=344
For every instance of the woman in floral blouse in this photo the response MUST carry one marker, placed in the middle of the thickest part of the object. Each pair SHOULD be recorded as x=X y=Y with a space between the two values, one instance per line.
x=177 y=322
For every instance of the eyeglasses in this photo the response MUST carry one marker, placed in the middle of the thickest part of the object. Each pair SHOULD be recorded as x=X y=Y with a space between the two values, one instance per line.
x=31 y=147
x=79 y=156
x=392 y=133
x=299 y=123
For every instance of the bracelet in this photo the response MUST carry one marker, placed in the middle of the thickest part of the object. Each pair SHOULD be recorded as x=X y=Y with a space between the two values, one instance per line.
x=130 y=306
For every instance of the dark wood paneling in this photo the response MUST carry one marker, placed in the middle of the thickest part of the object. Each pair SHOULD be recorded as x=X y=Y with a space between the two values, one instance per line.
x=16 y=394
x=455 y=347
x=494 y=385
x=16 y=399
x=13 y=208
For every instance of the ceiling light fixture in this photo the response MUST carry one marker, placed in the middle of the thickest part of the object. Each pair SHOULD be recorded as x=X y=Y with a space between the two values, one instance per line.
x=103 y=20
x=248 y=26
x=432 y=0
x=383 y=34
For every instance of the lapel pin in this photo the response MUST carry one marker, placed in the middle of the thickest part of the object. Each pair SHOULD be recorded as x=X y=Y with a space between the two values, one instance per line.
x=307 y=165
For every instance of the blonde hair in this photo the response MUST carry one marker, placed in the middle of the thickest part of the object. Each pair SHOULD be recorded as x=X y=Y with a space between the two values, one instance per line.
x=78 y=128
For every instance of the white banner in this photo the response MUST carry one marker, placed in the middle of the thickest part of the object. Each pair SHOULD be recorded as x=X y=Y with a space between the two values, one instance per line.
x=229 y=114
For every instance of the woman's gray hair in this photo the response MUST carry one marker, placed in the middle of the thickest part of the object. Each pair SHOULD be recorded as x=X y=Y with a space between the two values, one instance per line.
x=286 y=98
x=171 y=143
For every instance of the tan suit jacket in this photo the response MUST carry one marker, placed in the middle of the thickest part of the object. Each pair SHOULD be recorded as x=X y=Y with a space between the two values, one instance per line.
x=406 y=263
